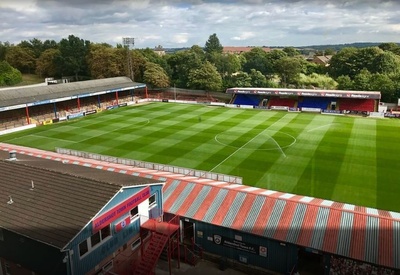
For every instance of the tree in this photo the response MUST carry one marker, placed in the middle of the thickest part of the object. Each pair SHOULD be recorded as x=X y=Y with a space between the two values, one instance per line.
x=271 y=58
x=138 y=64
x=315 y=80
x=362 y=81
x=344 y=82
x=181 y=64
x=73 y=56
x=213 y=45
x=151 y=56
x=205 y=78
x=343 y=63
x=46 y=63
x=50 y=44
x=227 y=64
x=387 y=87
x=257 y=78
x=290 y=51
x=288 y=69
x=242 y=79
x=200 y=52
x=36 y=45
x=155 y=76
x=9 y=75
x=255 y=59
x=387 y=63
x=364 y=58
x=390 y=46
x=21 y=58
x=103 y=61
x=3 y=49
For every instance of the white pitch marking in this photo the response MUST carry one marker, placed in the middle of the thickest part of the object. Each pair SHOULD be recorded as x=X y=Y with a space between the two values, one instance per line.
x=244 y=145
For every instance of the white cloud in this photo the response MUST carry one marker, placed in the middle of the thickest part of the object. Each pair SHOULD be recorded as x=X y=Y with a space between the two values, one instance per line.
x=181 y=38
x=244 y=36
x=178 y=23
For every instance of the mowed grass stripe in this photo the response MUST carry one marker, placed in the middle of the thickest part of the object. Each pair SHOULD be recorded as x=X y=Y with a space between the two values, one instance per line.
x=285 y=174
x=359 y=165
x=122 y=138
x=243 y=141
x=320 y=176
x=259 y=161
x=197 y=134
x=388 y=165
x=217 y=151
x=217 y=161
x=176 y=144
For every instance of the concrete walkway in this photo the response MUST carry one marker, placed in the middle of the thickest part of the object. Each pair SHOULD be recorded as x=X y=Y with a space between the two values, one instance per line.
x=202 y=267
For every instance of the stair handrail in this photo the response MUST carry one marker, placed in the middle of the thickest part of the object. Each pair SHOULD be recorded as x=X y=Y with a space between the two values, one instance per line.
x=190 y=256
x=197 y=249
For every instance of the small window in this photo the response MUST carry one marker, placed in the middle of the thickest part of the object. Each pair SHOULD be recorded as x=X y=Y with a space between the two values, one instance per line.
x=105 y=232
x=134 y=212
x=95 y=238
x=108 y=266
x=152 y=200
x=83 y=248
x=136 y=244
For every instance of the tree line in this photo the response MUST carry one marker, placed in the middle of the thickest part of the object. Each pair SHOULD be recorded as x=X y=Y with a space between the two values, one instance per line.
x=205 y=67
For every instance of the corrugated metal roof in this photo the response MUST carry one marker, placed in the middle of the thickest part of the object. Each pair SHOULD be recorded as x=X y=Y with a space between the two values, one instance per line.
x=20 y=95
x=64 y=198
x=357 y=232
x=352 y=231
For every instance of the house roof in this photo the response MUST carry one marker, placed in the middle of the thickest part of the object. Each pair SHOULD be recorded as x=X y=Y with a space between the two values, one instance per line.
x=238 y=50
x=64 y=199
x=37 y=94
x=323 y=58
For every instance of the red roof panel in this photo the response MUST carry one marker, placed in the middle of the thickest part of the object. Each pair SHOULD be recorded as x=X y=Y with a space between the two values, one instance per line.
x=263 y=216
x=332 y=231
x=244 y=210
x=284 y=222
x=228 y=200
x=357 y=243
x=385 y=242
x=308 y=226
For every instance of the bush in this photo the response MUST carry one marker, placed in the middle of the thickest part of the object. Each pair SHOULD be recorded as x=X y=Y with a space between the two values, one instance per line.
x=8 y=75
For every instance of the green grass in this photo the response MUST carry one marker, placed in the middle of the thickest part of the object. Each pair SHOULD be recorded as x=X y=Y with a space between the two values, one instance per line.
x=345 y=159
x=29 y=79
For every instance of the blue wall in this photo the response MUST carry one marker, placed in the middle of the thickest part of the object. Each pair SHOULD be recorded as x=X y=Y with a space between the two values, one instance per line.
x=246 y=248
x=117 y=239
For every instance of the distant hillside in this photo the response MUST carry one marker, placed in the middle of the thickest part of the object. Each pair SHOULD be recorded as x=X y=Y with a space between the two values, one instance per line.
x=338 y=47
x=311 y=48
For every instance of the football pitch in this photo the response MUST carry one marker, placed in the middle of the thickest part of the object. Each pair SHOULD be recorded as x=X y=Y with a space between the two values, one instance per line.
x=345 y=159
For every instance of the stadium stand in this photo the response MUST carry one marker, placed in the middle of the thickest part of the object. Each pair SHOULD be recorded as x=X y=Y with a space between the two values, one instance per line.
x=347 y=104
x=344 y=266
x=277 y=101
x=243 y=99
x=314 y=102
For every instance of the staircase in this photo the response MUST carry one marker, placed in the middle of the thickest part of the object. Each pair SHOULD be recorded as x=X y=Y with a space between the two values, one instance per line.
x=151 y=254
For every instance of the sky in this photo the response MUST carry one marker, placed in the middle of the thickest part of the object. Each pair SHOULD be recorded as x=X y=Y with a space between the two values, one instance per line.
x=179 y=23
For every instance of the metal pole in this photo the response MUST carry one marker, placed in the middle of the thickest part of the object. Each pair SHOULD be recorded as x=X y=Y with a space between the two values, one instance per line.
x=127 y=42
